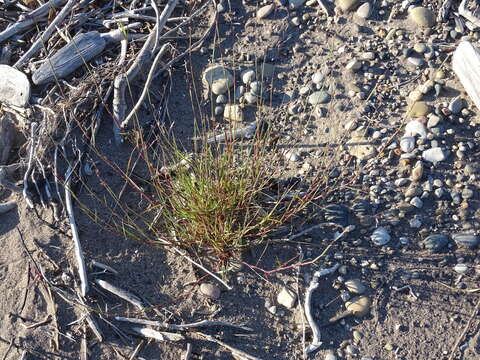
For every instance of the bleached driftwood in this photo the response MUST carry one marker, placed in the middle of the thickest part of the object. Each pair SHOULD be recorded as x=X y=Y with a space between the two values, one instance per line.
x=82 y=269
x=42 y=39
x=316 y=340
x=158 y=335
x=466 y=65
x=76 y=53
x=121 y=293
x=30 y=19
x=198 y=324
x=473 y=17
x=26 y=195
x=236 y=352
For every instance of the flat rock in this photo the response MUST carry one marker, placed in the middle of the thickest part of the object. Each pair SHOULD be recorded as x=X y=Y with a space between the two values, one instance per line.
x=359 y=306
x=319 y=97
x=435 y=243
x=264 y=11
x=419 y=109
x=209 y=290
x=218 y=79
x=380 y=236
x=354 y=65
x=433 y=155
x=456 y=105
x=287 y=298
x=14 y=86
x=466 y=240
x=364 y=11
x=346 y=5
x=422 y=16
x=361 y=148
x=233 y=112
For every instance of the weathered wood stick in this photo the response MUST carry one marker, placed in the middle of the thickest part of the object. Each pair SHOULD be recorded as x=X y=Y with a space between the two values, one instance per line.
x=240 y=353
x=104 y=267
x=158 y=335
x=82 y=269
x=121 y=293
x=41 y=41
x=30 y=19
x=246 y=132
x=145 y=54
x=198 y=324
x=467 y=14
x=26 y=195
x=316 y=341
x=466 y=65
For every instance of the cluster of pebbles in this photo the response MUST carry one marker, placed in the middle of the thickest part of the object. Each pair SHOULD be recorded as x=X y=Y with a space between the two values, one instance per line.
x=411 y=132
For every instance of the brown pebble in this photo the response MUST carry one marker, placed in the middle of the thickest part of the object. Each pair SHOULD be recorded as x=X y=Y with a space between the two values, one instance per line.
x=209 y=290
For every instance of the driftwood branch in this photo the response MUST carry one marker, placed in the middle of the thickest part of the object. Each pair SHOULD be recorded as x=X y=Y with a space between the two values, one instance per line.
x=82 y=269
x=30 y=19
x=40 y=42
x=239 y=353
x=158 y=335
x=121 y=293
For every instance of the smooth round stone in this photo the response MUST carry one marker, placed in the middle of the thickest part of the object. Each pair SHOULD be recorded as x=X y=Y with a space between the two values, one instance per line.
x=250 y=98
x=14 y=86
x=414 y=128
x=218 y=110
x=364 y=10
x=407 y=144
x=357 y=336
x=415 y=95
x=435 y=243
x=461 y=269
x=264 y=11
x=209 y=290
x=419 y=109
x=466 y=240
x=221 y=99
x=355 y=286
x=434 y=155
x=422 y=16
x=380 y=236
x=319 y=97
x=255 y=87
x=318 y=78
x=420 y=48
x=248 y=76
x=346 y=5
x=433 y=121
x=354 y=65
x=304 y=90
x=218 y=79
x=417 y=202
x=330 y=356
x=233 y=112
x=467 y=193
x=415 y=61
x=417 y=171
x=295 y=4
x=287 y=298
x=359 y=306
x=370 y=55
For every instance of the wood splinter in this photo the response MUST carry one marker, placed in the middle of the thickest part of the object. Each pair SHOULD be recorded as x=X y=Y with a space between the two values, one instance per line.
x=121 y=293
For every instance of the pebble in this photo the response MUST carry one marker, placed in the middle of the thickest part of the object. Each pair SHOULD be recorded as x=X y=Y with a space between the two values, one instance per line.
x=419 y=109
x=415 y=95
x=435 y=243
x=354 y=65
x=209 y=290
x=417 y=202
x=434 y=155
x=218 y=110
x=319 y=97
x=407 y=144
x=364 y=10
x=414 y=128
x=318 y=78
x=14 y=86
x=433 y=121
x=233 y=112
x=417 y=171
x=361 y=148
x=359 y=306
x=380 y=236
x=346 y=5
x=456 y=105
x=248 y=76
x=295 y=4
x=466 y=240
x=355 y=286
x=422 y=16
x=250 y=98
x=461 y=269
x=264 y=11
x=330 y=356
x=287 y=298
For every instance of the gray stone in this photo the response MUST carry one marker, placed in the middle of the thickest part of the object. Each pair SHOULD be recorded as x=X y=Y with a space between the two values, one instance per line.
x=466 y=240
x=354 y=65
x=364 y=10
x=248 y=76
x=318 y=78
x=407 y=144
x=287 y=298
x=295 y=4
x=233 y=112
x=435 y=243
x=264 y=11
x=14 y=86
x=218 y=79
x=380 y=236
x=346 y=5
x=433 y=155
x=456 y=105
x=319 y=97
x=210 y=290
x=422 y=16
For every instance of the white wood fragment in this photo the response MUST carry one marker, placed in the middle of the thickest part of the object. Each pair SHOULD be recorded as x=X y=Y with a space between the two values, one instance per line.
x=466 y=65
x=158 y=335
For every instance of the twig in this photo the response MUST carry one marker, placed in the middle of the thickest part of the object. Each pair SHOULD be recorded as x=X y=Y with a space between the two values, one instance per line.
x=84 y=345
x=235 y=351
x=316 y=343
x=104 y=267
x=465 y=330
x=82 y=269
x=137 y=350
x=37 y=45
x=26 y=196
x=121 y=293
x=324 y=7
x=199 y=324
x=30 y=19
x=310 y=229
x=45 y=321
x=158 y=335
x=146 y=87
x=188 y=352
